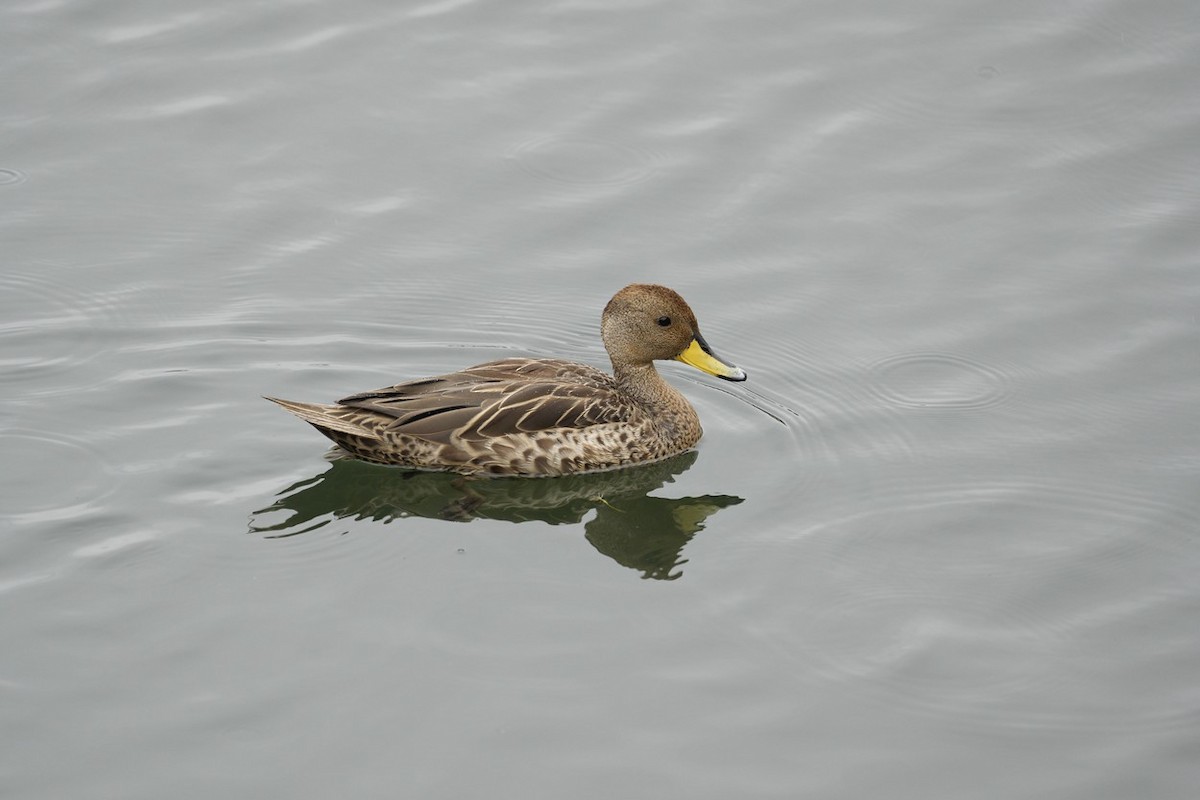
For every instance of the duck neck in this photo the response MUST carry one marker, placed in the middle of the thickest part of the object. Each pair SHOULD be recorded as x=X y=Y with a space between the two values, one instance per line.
x=661 y=400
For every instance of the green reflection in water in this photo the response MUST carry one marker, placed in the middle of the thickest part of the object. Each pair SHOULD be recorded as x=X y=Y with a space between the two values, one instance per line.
x=632 y=528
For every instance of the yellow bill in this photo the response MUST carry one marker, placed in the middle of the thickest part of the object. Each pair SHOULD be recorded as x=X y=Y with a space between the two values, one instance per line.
x=699 y=355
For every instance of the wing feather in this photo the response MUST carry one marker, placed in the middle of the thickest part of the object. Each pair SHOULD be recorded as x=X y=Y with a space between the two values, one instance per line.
x=498 y=399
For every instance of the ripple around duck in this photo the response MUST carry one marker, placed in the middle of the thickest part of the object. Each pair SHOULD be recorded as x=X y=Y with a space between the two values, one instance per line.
x=584 y=160
x=836 y=413
x=353 y=536
x=50 y=477
x=329 y=543
x=939 y=381
x=802 y=444
x=740 y=422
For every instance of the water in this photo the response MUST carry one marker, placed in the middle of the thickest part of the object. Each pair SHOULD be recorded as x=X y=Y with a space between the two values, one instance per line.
x=945 y=536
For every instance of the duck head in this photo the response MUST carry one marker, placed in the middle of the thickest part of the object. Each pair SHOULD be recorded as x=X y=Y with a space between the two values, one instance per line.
x=645 y=322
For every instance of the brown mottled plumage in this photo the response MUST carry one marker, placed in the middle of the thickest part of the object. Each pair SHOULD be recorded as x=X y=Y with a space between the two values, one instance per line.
x=539 y=416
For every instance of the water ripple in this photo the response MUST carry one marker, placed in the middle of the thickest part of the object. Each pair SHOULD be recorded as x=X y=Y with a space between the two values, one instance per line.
x=948 y=599
x=939 y=381
x=59 y=477
x=584 y=160
x=984 y=85
x=906 y=523
x=946 y=652
x=833 y=421
x=1106 y=23
x=46 y=325
x=977 y=660
x=9 y=177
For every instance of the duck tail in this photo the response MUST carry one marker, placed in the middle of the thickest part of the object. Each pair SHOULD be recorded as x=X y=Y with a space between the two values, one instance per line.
x=324 y=418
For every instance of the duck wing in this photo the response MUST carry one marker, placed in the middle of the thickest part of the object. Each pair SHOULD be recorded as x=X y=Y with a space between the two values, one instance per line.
x=498 y=399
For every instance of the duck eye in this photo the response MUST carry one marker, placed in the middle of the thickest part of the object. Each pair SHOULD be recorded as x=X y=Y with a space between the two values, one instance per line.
x=664 y=321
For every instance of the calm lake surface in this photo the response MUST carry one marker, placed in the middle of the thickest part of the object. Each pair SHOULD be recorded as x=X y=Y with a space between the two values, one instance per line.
x=944 y=543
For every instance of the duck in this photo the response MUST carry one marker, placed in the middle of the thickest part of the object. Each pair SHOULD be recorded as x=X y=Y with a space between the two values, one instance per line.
x=539 y=417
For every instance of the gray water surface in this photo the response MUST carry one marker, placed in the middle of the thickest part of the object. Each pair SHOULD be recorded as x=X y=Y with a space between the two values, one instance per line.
x=942 y=544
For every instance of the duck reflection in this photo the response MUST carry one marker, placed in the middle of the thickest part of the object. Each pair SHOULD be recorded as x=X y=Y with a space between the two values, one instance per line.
x=635 y=530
